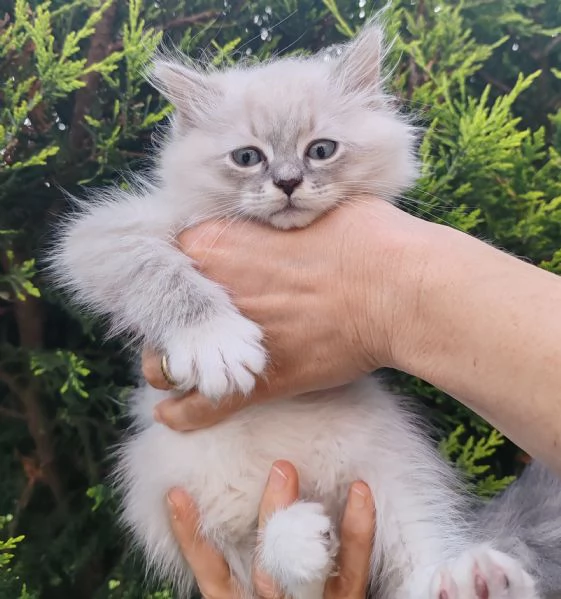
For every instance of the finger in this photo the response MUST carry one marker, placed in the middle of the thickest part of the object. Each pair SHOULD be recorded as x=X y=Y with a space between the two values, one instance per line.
x=198 y=242
x=194 y=411
x=280 y=492
x=152 y=369
x=358 y=529
x=209 y=567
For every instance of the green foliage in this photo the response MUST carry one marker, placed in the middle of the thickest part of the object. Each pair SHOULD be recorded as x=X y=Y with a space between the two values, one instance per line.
x=470 y=455
x=482 y=78
x=8 y=545
x=10 y=583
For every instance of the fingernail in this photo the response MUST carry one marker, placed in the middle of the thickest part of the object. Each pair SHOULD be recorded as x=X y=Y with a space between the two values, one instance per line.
x=172 y=505
x=173 y=502
x=358 y=496
x=277 y=479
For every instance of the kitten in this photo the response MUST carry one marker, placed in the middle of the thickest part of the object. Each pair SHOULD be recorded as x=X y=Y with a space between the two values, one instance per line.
x=281 y=142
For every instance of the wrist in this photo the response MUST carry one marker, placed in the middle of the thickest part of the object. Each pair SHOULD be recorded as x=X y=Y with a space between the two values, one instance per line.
x=414 y=262
x=421 y=267
x=439 y=287
x=386 y=258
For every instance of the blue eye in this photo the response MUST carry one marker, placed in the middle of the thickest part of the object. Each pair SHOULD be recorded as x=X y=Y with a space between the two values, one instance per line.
x=321 y=149
x=247 y=156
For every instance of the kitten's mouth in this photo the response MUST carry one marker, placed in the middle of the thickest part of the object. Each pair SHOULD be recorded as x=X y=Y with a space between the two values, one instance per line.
x=292 y=217
x=289 y=209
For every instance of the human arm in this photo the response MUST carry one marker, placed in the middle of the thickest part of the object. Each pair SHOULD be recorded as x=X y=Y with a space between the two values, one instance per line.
x=487 y=331
x=370 y=286
x=211 y=570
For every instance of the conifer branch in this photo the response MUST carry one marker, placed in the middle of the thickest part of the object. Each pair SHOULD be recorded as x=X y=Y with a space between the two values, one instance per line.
x=206 y=15
x=30 y=323
x=11 y=413
x=98 y=50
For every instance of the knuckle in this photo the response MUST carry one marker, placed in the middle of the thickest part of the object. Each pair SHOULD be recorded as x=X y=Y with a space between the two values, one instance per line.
x=265 y=587
x=358 y=539
x=347 y=587
x=216 y=590
x=149 y=370
x=359 y=532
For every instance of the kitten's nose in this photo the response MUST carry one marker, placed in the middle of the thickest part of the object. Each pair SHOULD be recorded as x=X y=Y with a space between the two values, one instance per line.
x=288 y=185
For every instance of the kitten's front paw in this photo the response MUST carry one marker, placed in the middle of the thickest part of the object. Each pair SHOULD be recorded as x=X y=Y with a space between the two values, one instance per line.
x=298 y=545
x=218 y=357
x=481 y=573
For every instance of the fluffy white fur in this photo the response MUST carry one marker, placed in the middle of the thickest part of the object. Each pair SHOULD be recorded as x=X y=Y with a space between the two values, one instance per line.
x=118 y=258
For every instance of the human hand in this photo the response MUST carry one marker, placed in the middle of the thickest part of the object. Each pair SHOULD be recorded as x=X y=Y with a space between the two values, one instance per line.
x=213 y=574
x=333 y=304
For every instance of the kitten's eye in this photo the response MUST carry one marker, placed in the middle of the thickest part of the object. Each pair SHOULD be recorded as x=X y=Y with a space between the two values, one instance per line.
x=247 y=156
x=321 y=149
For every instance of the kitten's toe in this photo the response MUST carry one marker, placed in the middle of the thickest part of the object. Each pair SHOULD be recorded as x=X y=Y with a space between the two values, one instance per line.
x=241 y=356
x=483 y=573
x=219 y=357
x=181 y=360
x=443 y=585
x=298 y=545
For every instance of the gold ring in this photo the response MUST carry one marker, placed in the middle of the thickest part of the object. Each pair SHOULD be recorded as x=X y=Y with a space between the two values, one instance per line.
x=164 y=367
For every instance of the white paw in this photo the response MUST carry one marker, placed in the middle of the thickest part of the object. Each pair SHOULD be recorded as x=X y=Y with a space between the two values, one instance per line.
x=298 y=545
x=218 y=357
x=482 y=573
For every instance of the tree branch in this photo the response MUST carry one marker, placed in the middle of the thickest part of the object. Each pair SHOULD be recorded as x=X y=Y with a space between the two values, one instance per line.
x=552 y=45
x=40 y=429
x=205 y=15
x=99 y=49
x=11 y=413
x=495 y=82
x=10 y=381
x=30 y=323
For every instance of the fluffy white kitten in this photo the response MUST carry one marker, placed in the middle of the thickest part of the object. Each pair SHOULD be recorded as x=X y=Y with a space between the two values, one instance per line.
x=281 y=142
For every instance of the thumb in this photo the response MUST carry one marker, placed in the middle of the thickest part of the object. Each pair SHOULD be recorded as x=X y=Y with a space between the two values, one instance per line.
x=194 y=411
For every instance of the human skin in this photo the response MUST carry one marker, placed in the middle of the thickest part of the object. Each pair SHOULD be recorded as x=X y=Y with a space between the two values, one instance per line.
x=370 y=286
x=213 y=575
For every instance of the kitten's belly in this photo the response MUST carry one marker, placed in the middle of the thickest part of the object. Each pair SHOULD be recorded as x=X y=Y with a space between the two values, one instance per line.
x=326 y=436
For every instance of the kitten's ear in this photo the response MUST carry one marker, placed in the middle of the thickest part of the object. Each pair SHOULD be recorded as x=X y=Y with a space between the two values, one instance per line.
x=188 y=89
x=358 y=69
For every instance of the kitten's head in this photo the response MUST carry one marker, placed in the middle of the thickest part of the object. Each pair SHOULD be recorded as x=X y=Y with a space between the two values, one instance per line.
x=284 y=141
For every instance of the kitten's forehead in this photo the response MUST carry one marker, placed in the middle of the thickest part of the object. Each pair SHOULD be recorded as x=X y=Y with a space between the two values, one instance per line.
x=281 y=101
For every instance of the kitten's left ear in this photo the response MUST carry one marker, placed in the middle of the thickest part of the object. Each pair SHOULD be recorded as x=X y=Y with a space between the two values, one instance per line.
x=190 y=90
x=358 y=69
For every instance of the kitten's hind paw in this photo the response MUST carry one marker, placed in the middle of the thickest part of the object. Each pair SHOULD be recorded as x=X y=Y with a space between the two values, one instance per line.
x=481 y=573
x=218 y=357
x=298 y=546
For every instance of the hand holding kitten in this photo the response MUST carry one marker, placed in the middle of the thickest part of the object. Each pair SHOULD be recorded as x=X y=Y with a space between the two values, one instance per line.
x=213 y=575
x=309 y=297
x=369 y=286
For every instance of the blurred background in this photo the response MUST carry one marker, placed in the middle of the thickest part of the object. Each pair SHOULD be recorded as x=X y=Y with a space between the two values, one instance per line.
x=482 y=77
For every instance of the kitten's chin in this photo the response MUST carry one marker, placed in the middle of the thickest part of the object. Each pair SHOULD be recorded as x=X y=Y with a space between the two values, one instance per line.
x=293 y=218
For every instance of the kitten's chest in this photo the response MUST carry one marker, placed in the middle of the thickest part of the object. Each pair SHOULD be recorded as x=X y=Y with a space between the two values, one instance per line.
x=229 y=482
x=332 y=439
x=225 y=468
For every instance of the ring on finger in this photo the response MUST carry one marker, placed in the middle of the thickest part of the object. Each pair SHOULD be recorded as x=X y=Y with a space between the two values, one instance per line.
x=164 y=367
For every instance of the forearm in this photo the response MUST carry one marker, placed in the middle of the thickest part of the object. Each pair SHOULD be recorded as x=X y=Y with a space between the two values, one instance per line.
x=486 y=330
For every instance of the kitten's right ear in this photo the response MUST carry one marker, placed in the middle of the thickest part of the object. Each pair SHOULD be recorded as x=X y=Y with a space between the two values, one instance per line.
x=188 y=89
